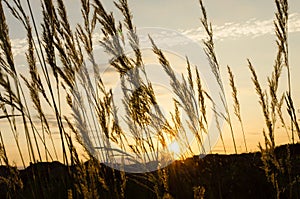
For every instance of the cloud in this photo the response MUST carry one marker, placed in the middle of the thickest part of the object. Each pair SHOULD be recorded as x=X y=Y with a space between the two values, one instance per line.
x=19 y=46
x=252 y=28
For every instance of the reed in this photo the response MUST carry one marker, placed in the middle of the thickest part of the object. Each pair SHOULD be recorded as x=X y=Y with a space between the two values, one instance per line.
x=86 y=116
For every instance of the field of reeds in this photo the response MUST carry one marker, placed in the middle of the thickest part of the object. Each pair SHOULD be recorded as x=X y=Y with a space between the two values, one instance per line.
x=103 y=152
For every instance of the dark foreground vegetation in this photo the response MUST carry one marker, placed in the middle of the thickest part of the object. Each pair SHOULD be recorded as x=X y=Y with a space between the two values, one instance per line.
x=214 y=176
x=58 y=60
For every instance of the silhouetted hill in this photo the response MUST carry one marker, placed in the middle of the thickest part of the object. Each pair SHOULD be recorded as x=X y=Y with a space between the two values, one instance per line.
x=222 y=176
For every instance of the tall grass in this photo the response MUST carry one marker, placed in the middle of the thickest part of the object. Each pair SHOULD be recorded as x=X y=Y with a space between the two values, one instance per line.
x=271 y=106
x=60 y=74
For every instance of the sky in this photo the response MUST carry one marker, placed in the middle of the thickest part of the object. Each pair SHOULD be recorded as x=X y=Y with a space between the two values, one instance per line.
x=243 y=29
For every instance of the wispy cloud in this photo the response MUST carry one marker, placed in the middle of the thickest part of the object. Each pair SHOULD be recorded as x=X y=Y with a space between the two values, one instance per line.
x=19 y=46
x=252 y=28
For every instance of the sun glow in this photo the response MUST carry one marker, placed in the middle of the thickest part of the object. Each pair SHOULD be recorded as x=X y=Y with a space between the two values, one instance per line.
x=175 y=150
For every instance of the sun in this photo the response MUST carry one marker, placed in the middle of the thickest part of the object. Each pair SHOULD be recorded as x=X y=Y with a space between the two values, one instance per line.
x=174 y=149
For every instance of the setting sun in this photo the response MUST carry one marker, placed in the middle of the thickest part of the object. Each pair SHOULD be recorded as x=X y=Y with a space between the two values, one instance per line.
x=149 y=99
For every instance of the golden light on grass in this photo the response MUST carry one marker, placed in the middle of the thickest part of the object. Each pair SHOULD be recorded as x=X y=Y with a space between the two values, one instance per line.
x=66 y=56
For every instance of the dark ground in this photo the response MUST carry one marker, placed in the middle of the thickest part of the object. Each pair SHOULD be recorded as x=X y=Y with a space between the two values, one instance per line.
x=222 y=176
